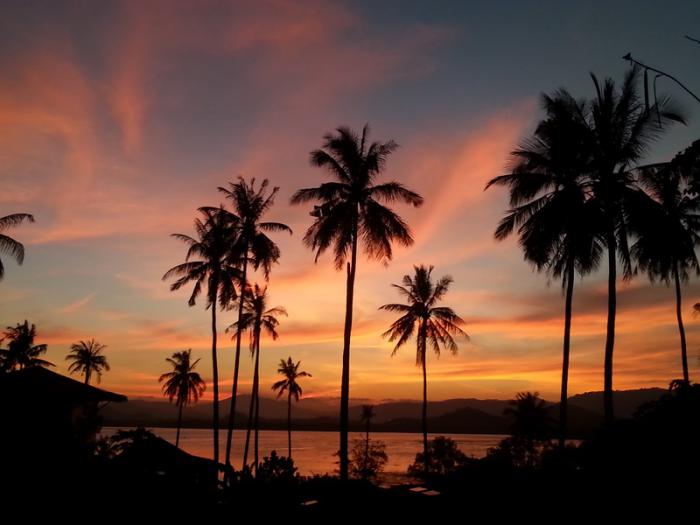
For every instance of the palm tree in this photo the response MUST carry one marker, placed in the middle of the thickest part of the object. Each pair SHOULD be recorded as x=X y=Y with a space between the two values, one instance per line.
x=256 y=318
x=21 y=352
x=9 y=246
x=549 y=209
x=86 y=358
x=250 y=204
x=621 y=130
x=430 y=323
x=182 y=384
x=366 y=416
x=531 y=421
x=208 y=264
x=667 y=226
x=350 y=212
x=290 y=371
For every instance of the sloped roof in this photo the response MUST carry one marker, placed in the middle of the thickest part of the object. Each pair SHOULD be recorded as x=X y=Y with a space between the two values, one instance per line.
x=40 y=383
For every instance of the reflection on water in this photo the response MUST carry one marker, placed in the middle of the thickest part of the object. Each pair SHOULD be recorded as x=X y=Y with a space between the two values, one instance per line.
x=313 y=451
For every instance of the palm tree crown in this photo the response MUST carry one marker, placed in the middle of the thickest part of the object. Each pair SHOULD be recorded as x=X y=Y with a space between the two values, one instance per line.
x=351 y=204
x=257 y=317
x=86 y=357
x=9 y=246
x=290 y=371
x=21 y=352
x=182 y=385
x=435 y=324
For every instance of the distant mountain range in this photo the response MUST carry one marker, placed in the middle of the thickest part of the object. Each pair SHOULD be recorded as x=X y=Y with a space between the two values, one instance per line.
x=469 y=416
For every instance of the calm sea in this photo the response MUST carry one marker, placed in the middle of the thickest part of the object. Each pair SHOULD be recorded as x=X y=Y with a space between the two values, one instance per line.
x=313 y=451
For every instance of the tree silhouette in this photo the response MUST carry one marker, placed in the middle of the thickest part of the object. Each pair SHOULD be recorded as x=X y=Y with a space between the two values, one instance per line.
x=290 y=371
x=208 y=265
x=256 y=318
x=182 y=385
x=9 y=246
x=21 y=352
x=531 y=424
x=252 y=246
x=429 y=322
x=86 y=357
x=366 y=416
x=350 y=212
x=621 y=130
x=557 y=227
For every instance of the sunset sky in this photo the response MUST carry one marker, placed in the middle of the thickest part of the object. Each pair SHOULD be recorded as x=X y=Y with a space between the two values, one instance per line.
x=119 y=119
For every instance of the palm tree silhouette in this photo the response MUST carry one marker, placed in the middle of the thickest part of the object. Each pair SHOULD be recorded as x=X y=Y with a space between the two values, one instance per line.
x=366 y=416
x=182 y=385
x=9 y=246
x=252 y=245
x=289 y=384
x=350 y=212
x=549 y=209
x=86 y=358
x=621 y=130
x=208 y=265
x=667 y=226
x=256 y=318
x=530 y=421
x=21 y=352
x=429 y=322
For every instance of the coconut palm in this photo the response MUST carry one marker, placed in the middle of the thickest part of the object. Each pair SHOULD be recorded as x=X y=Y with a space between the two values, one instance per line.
x=182 y=385
x=256 y=318
x=290 y=371
x=549 y=209
x=531 y=424
x=86 y=357
x=352 y=212
x=9 y=246
x=431 y=323
x=621 y=130
x=667 y=227
x=252 y=246
x=21 y=352
x=208 y=265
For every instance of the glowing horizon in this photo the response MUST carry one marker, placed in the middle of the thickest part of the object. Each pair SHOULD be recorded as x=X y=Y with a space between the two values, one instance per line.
x=117 y=122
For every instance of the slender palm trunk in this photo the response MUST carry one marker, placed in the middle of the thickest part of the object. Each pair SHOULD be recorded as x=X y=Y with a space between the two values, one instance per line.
x=564 y=399
x=289 y=424
x=236 y=364
x=610 y=337
x=249 y=428
x=87 y=377
x=256 y=389
x=423 y=345
x=179 y=425
x=215 y=381
x=681 y=329
x=345 y=379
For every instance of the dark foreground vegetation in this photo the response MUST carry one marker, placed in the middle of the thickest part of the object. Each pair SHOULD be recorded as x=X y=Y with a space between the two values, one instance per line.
x=650 y=455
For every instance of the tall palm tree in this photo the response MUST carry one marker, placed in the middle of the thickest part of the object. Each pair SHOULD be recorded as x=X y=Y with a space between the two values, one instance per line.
x=621 y=130
x=9 y=246
x=549 y=209
x=429 y=322
x=208 y=265
x=256 y=318
x=254 y=247
x=667 y=229
x=350 y=213
x=21 y=352
x=182 y=384
x=86 y=357
x=290 y=371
